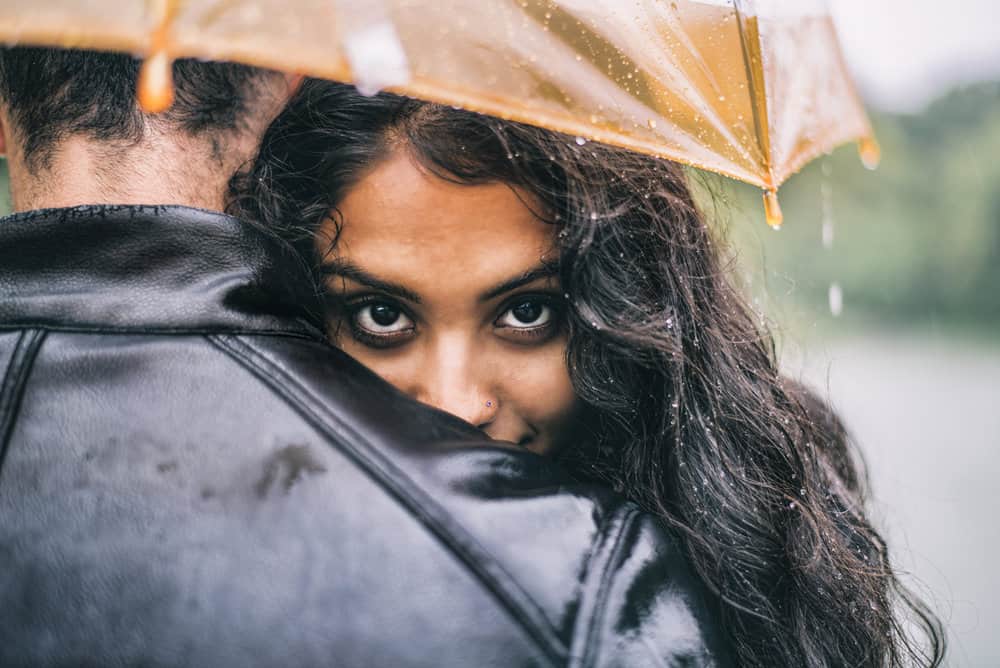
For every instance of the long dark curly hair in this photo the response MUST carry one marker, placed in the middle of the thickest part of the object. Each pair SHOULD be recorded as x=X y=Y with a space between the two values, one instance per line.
x=687 y=413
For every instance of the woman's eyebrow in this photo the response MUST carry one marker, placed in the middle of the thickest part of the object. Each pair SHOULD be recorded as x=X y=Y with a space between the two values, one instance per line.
x=355 y=273
x=541 y=271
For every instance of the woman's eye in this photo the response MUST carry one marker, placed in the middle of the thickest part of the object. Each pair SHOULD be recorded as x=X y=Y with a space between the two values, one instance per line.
x=381 y=318
x=526 y=314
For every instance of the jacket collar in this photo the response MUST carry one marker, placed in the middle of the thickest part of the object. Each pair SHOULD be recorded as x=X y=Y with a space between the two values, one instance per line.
x=148 y=268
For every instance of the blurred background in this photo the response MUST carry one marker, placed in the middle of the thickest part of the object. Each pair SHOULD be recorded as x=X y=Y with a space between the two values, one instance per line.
x=884 y=291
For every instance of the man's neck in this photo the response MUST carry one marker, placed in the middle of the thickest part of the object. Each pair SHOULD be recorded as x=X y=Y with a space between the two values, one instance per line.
x=158 y=170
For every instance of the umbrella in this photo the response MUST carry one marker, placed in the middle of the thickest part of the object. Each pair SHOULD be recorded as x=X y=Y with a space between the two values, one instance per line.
x=750 y=89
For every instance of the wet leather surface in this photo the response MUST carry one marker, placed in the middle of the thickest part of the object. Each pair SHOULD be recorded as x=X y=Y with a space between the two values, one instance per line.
x=190 y=476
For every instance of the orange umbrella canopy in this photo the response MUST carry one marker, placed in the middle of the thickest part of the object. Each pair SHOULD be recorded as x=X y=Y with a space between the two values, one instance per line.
x=749 y=89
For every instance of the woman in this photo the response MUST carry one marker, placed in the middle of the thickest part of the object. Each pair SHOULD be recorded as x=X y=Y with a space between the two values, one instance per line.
x=568 y=297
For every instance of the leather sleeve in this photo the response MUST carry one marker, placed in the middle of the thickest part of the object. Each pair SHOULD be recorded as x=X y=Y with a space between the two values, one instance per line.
x=649 y=608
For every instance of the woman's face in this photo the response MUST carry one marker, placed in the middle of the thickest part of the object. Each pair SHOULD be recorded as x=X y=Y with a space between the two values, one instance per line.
x=449 y=292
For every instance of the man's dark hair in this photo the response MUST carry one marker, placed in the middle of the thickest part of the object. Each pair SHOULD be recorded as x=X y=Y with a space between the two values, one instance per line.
x=55 y=93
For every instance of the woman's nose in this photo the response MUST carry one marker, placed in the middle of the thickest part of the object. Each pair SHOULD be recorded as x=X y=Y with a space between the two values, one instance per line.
x=451 y=383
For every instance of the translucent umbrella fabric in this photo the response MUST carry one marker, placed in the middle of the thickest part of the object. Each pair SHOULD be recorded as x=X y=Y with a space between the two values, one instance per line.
x=752 y=90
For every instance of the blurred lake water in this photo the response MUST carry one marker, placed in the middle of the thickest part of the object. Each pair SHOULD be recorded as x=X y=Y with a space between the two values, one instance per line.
x=925 y=411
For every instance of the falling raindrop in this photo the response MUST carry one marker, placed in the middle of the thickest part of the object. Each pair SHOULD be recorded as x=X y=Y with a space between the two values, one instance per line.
x=826 y=205
x=836 y=297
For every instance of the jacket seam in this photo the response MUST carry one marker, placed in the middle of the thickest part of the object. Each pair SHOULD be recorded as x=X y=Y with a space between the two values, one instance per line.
x=12 y=389
x=592 y=639
x=519 y=605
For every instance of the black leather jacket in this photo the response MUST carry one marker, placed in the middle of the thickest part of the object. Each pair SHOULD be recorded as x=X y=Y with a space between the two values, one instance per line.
x=192 y=477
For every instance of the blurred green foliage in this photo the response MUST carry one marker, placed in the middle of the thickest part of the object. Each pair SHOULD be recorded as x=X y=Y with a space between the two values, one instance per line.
x=915 y=242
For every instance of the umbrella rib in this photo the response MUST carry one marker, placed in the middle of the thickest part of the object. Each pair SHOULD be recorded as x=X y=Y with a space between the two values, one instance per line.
x=749 y=29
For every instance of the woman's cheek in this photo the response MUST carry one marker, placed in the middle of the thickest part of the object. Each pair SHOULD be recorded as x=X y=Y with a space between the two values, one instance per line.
x=542 y=393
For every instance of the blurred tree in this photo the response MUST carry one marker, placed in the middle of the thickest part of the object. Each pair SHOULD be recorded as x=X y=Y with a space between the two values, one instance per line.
x=916 y=241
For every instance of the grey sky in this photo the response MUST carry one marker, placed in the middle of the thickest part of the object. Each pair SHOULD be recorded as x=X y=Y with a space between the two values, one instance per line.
x=906 y=52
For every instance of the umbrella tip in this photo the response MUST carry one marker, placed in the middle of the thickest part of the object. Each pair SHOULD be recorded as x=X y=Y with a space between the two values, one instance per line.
x=156 y=83
x=870 y=152
x=155 y=88
x=772 y=209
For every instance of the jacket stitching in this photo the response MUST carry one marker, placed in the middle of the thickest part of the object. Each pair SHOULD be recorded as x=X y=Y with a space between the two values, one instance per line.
x=496 y=580
x=18 y=370
x=592 y=640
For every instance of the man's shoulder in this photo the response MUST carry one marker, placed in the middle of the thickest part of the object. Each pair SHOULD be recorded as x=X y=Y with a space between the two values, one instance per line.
x=220 y=473
x=191 y=494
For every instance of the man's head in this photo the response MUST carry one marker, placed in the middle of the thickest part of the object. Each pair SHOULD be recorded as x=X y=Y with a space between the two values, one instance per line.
x=74 y=133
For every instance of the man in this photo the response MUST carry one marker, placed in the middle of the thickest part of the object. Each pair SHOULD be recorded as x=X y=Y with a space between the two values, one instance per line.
x=190 y=476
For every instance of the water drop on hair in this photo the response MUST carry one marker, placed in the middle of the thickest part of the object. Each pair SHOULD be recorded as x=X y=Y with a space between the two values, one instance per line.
x=580 y=141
